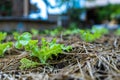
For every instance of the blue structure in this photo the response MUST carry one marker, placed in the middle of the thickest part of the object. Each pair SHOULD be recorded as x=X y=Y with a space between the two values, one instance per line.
x=43 y=13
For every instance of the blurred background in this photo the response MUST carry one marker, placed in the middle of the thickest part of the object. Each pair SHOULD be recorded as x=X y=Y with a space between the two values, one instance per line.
x=43 y=14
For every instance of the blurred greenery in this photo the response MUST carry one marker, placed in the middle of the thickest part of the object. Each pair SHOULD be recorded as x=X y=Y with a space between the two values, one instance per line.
x=108 y=12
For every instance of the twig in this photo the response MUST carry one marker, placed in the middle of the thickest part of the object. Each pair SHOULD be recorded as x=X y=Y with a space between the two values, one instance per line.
x=85 y=49
x=81 y=71
x=90 y=70
x=103 y=59
x=115 y=43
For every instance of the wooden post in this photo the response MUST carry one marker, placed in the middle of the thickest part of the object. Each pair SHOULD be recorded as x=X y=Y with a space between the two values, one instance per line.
x=17 y=8
x=26 y=8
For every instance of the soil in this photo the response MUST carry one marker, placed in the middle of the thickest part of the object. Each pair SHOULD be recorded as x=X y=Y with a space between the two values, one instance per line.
x=99 y=60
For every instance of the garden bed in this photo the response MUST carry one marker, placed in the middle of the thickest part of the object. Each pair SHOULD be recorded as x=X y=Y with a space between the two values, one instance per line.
x=97 y=60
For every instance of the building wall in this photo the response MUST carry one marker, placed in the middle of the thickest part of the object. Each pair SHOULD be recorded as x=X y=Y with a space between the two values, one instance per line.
x=5 y=8
x=17 y=8
x=24 y=24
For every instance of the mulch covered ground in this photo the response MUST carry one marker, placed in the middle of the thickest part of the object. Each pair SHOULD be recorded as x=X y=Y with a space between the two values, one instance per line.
x=99 y=60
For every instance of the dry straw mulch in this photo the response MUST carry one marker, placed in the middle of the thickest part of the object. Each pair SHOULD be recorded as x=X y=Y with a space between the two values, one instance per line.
x=99 y=60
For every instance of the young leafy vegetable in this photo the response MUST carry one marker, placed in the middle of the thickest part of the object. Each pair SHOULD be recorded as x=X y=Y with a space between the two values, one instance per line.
x=22 y=40
x=2 y=36
x=26 y=63
x=34 y=32
x=92 y=35
x=15 y=34
x=54 y=32
x=43 y=53
x=31 y=45
x=4 y=47
x=117 y=32
x=87 y=36
x=99 y=30
x=48 y=49
x=71 y=31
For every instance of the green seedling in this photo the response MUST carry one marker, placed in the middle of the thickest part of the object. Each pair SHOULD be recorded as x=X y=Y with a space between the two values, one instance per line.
x=2 y=36
x=54 y=32
x=87 y=36
x=16 y=34
x=43 y=53
x=71 y=31
x=92 y=35
x=31 y=45
x=117 y=32
x=48 y=49
x=26 y=63
x=100 y=30
x=22 y=39
x=35 y=32
x=4 y=47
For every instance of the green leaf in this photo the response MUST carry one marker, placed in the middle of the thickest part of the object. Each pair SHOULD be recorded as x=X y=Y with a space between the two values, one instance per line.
x=16 y=35
x=71 y=31
x=34 y=32
x=92 y=35
x=53 y=32
x=18 y=45
x=67 y=48
x=47 y=52
x=22 y=40
x=117 y=32
x=4 y=47
x=25 y=36
x=2 y=36
x=31 y=45
x=44 y=43
x=48 y=49
x=26 y=63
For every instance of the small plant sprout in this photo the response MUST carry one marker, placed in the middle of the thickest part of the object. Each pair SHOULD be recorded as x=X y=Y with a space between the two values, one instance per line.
x=117 y=32
x=2 y=36
x=22 y=39
x=54 y=32
x=71 y=31
x=4 y=47
x=15 y=35
x=26 y=63
x=43 y=53
x=87 y=36
x=48 y=49
x=35 y=32
x=31 y=45
x=92 y=35
x=99 y=30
